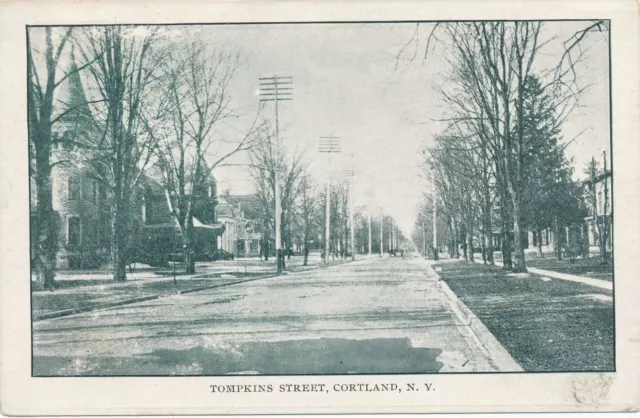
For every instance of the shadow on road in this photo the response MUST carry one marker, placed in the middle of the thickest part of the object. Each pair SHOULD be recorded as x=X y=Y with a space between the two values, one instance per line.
x=301 y=357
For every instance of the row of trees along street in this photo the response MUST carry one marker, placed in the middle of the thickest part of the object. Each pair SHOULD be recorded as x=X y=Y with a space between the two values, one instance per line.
x=152 y=104
x=154 y=100
x=302 y=199
x=499 y=163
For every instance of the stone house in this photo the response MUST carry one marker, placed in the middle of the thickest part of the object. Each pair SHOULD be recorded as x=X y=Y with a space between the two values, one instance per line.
x=82 y=206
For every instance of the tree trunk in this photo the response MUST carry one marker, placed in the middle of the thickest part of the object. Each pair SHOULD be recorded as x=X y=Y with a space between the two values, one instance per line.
x=506 y=240
x=265 y=248
x=483 y=243
x=45 y=223
x=504 y=218
x=515 y=181
x=470 y=243
x=539 y=239
x=556 y=240
x=483 y=237
x=118 y=241
x=584 y=233
x=486 y=221
x=520 y=265
x=306 y=252
x=454 y=238
x=187 y=248
x=452 y=232
x=463 y=238
x=40 y=126
x=265 y=241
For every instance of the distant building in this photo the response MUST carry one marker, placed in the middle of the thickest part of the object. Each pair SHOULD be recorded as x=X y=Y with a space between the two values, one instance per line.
x=240 y=236
x=598 y=199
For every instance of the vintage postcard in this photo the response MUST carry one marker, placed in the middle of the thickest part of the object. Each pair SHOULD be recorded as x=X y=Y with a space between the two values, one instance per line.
x=297 y=208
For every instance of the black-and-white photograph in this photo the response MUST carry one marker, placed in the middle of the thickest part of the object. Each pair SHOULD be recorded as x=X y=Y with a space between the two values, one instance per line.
x=321 y=198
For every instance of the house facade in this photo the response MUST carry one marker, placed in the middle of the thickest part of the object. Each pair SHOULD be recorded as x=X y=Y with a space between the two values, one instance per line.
x=240 y=236
x=598 y=194
x=158 y=239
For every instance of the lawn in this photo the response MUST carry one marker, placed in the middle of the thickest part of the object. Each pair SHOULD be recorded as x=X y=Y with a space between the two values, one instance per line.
x=546 y=325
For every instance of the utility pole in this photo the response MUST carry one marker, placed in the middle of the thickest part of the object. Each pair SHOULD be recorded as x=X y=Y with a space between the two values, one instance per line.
x=276 y=89
x=369 y=224
x=328 y=145
x=369 y=194
x=424 y=240
x=391 y=226
x=350 y=174
x=381 y=232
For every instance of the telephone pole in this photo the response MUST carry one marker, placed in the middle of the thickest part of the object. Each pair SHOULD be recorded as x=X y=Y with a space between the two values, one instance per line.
x=424 y=237
x=381 y=232
x=276 y=89
x=350 y=173
x=369 y=194
x=369 y=224
x=328 y=145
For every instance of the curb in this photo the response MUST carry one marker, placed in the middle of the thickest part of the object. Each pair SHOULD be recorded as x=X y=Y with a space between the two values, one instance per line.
x=89 y=308
x=496 y=351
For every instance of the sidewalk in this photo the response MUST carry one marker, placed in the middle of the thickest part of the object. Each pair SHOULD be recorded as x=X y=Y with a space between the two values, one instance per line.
x=602 y=284
x=84 y=292
x=589 y=267
x=544 y=324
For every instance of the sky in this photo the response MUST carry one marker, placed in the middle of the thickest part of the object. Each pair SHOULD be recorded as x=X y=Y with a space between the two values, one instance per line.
x=350 y=82
x=371 y=85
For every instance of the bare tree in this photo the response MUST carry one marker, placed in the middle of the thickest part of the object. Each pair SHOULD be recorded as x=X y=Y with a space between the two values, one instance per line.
x=196 y=87
x=308 y=211
x=264 y=164
x=43 y=70
x=492 y=63
x=120 y=148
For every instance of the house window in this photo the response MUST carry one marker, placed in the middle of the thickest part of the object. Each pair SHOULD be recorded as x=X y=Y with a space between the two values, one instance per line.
x=73 y=236
x=74 y=189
